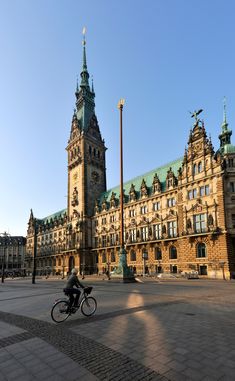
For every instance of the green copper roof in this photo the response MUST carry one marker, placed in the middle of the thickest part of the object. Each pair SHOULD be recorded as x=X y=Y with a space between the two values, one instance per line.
x=54 y=216
x=148 y=177
x=85 y=103
x=225 y=136
x=227 y=148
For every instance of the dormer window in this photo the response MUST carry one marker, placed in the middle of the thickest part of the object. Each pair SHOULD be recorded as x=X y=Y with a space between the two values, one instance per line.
x=171 y=180
x=132 y=193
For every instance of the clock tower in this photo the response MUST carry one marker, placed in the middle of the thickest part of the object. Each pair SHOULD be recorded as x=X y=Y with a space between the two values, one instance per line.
x=86 y=163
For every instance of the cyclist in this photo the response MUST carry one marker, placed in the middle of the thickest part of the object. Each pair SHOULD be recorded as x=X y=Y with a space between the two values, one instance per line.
x=70 y=290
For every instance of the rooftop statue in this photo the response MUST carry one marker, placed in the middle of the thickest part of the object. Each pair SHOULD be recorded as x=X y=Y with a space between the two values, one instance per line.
x=195 y=114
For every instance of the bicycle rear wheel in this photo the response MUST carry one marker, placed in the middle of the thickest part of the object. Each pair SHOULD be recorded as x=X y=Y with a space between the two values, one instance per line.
x=88 y=306
x=60 y=311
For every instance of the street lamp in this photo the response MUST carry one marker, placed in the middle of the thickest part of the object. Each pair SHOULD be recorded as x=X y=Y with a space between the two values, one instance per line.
x=120 y=106
x=122 y=271
x=34 y=251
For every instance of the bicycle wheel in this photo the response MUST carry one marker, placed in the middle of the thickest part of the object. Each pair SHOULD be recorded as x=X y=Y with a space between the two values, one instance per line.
x=88 y=306
x=60 y=311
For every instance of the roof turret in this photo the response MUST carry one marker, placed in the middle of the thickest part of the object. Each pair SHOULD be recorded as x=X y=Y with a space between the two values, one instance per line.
x=225 y=136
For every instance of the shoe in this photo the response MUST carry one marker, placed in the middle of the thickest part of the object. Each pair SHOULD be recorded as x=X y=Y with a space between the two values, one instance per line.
x=73 y=310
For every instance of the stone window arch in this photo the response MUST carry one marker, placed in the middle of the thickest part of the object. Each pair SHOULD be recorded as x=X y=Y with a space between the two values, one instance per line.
x=113 y=259
x=173 y=252
x=194 y=169
x=201 y=250
x=199 y=168
x=132 y=256
x=104 y=257
x=158 y=253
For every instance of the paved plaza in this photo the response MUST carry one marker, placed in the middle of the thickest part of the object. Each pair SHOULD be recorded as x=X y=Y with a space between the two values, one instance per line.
x=149 y=330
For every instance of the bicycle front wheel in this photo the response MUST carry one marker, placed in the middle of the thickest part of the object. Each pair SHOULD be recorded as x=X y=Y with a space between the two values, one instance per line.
x=88 y=306
x=60 y=311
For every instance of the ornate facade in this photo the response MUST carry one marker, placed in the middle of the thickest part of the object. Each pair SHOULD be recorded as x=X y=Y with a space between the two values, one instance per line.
x=12 y=253
x=178 y=217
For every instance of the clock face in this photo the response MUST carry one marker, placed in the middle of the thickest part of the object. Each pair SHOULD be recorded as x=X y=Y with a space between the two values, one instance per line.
x=95 y=176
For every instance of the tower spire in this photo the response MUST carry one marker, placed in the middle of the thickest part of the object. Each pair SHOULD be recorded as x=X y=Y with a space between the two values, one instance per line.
x=225 y=136
x=85 y=96
x=84 y=73
x=225 y=124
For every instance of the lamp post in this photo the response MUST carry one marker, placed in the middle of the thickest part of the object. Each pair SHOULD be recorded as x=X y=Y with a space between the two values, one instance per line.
x=108 y=264
x=120 y=106
x=34 y=251
x=122 y=271
x=63 y=267
x=122 y=256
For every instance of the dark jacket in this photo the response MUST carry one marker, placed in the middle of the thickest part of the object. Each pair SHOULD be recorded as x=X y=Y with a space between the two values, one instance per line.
x=73 y=281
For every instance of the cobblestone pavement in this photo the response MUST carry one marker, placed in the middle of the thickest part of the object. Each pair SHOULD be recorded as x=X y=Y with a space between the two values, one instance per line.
x=172 y=331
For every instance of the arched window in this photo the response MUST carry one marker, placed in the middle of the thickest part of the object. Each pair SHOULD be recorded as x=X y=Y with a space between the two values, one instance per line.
x=104 y=257
x=194 y=169
x=200 y=167
x=158 y=254
x=133 y=255
x=173 y=252
x=201 y=250
x=112 y=256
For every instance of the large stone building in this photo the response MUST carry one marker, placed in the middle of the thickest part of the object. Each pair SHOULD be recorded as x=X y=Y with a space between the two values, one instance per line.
x=178 y=217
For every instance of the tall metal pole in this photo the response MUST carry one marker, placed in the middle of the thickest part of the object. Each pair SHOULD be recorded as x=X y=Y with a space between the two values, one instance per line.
x=122 y=271
x=120 y=106
x=34 y=252
x=3 y=259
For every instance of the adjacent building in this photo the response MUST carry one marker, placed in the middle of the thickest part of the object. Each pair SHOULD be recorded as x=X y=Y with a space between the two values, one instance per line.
x=12 y=253
x=178 y=217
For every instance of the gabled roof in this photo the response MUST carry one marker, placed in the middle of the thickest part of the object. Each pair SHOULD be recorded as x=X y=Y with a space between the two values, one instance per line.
x=148 y=177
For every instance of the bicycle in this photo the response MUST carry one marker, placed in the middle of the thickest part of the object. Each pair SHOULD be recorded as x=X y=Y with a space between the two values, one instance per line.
x=61 y=309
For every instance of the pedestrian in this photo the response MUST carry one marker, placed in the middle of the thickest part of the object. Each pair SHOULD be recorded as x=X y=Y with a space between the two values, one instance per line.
x=72 y=288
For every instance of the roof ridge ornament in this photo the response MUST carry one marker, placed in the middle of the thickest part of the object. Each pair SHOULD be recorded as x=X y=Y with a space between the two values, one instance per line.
x=84 y=36
x=195 y=115
x=224 y=110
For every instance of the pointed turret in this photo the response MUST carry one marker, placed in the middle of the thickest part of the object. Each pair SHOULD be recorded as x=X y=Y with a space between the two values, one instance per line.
x=225 y=136
x=84 y=73
x=85 y=105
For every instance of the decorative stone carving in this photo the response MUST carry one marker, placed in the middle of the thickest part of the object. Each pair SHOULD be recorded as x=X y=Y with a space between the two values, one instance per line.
x=74 y=201
x=210 y=220
x=104 y=204
x=143 y=189
x=171 y=180
x=97 y=209
x=132 y=193
x=156 y=184
x=113 y=200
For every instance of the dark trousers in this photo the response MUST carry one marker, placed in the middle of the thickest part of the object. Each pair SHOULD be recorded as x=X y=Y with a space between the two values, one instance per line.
x=71 y=292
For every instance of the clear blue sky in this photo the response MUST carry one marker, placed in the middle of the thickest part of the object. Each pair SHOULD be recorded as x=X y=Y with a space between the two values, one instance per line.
x=165 y=57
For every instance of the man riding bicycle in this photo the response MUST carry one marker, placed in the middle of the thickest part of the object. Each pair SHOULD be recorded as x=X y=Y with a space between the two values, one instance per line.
x=70 y=290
